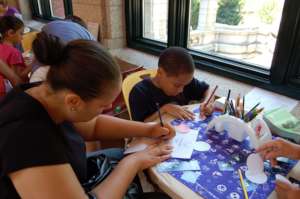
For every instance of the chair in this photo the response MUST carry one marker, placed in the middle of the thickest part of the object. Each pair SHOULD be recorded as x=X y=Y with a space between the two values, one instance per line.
x=27 y=40
x=131 y=80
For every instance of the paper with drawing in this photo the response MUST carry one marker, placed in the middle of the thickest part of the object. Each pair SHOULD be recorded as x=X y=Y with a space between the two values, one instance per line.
x=183 y=144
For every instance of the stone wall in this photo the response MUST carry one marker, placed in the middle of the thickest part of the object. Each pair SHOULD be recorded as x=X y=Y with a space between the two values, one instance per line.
x=107 y=15
x=110 y=16
x=237 y=41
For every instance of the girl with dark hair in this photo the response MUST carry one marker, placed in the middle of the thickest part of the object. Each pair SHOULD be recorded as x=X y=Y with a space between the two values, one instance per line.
x=43 y=127
x=11 y=31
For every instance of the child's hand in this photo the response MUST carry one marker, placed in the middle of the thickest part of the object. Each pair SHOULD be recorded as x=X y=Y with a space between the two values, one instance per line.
x=15 y=80
x=177 y=111
x=279 y=147
x=28 y=57
x=28 y=60
x=152 y=155
x=206 y=109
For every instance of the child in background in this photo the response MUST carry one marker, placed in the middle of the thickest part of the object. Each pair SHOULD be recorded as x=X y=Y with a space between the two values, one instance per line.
x=11 y=30
x=11 y=76
x=173 y=86
x=6 y=10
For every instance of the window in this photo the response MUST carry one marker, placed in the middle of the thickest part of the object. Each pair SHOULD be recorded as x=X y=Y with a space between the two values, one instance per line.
x=241 y=30
x=57 y=8
x=40 y=12
x=254 y=41
x=155 y=19
x=51 y=9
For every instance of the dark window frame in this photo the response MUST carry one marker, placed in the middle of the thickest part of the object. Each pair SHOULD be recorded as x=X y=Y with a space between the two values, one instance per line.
x=284 y=75
x=46 y=9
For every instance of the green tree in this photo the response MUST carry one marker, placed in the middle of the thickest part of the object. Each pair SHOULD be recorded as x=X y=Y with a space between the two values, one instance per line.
x=268 y=11
x=229 y=11
x=195 y=13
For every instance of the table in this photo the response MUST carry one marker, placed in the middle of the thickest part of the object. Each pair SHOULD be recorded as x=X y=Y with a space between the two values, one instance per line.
x=177 y=190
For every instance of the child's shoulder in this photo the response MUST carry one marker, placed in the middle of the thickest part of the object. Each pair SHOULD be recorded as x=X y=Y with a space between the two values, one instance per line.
x=8 y=47
x=7 y=51
x=144 y=84
x=10 y=55
x=142 y=88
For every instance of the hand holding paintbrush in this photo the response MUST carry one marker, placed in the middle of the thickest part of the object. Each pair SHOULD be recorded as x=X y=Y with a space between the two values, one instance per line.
x=207 y=107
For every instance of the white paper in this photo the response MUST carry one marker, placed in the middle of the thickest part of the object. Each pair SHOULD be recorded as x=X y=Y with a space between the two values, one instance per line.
x=139 y=144
x=201 y=146
x=184 y=144
x=268 y=100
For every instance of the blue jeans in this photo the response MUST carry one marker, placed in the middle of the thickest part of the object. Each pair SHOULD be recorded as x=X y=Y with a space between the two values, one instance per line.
x=115 y=153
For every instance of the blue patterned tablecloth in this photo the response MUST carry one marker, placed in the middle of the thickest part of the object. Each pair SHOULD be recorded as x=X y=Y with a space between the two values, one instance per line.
x=212 y=183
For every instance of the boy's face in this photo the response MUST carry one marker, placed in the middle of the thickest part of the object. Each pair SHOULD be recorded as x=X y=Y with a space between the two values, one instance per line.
x=173 y=85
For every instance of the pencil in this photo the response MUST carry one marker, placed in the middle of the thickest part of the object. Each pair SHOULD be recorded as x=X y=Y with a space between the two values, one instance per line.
x=254 y=114
x=243 y=108
x=249 y=113
x=237 y=103
x=243 y=184
x=233 y=109
x=159 y=114
x=227 y=101
x=211 y=95
x=237 y=106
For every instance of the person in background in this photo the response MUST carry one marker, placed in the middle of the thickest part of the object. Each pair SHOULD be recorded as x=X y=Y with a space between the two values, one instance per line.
x=282 y=148
x=77 y=20
x=173 y=86
x=6 y=10
x=67 y=30
x=11 y=79
x=11 y=30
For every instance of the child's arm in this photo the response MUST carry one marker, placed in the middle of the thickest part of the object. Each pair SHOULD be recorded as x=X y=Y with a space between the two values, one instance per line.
x=9 y=74
x=22 y=71
x=18 y=64
x=173 y=110
x=25 y=72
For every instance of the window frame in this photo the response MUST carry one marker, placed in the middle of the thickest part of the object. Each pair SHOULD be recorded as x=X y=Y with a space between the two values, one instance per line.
x=284 y=75
x=46 y=9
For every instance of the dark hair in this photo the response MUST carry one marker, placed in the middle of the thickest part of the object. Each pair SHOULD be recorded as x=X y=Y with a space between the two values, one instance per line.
x=77 y=20
x=9 y=23
x=82 y=66
x=176 y=60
